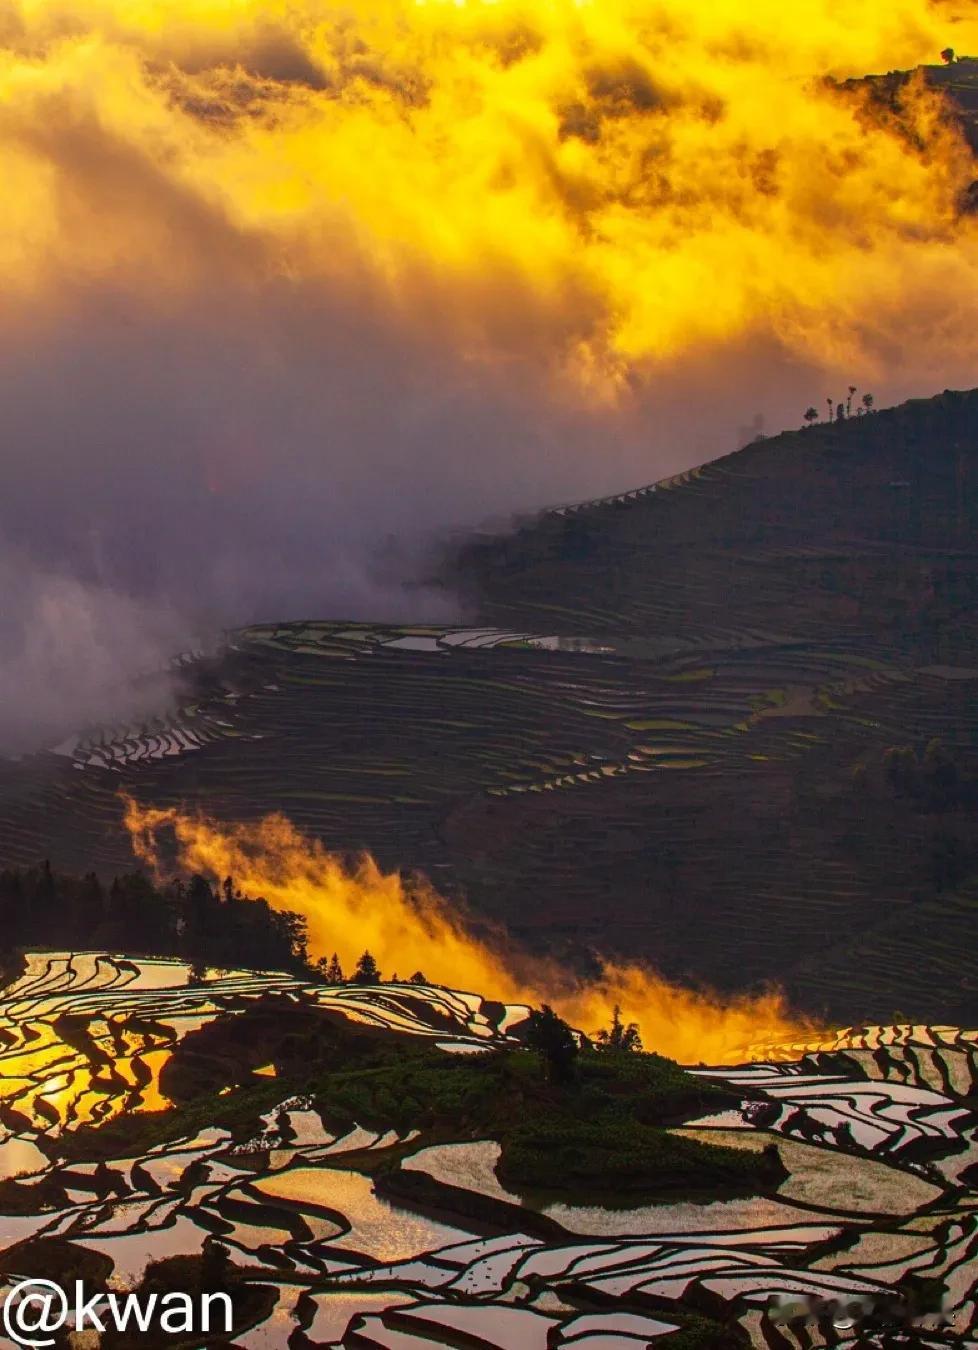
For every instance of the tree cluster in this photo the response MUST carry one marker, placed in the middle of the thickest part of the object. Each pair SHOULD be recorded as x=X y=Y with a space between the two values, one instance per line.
x=620 y=1035
x=839 y=411
x=192 y=920
x=558 y=1045
x=366 y=971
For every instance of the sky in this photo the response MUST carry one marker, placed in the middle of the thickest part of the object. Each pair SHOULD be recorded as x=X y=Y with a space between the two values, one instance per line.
x=291 y=290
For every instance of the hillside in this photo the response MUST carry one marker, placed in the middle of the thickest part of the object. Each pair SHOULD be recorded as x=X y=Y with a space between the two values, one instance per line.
x=832 y=571
x=860 y=532
x=727 y=723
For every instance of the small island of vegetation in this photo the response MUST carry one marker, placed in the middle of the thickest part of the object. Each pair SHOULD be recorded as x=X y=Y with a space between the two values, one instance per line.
x=582 y=1118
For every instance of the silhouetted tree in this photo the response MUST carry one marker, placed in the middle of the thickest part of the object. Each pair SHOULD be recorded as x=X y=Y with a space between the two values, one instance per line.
x=186 y=921
x=366 y=971
x=136 y=916
x=811 y=415
x=852 y=390
x=334 y=971
x=947 y=56
x=418 y=978
x=553 y=1039
x=202 y=917
x=620 y=1036
x=868 y=402
x=44 y=903
x=87 y=910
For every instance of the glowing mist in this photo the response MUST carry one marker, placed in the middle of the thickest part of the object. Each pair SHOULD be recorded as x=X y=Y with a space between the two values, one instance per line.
x=408 y=926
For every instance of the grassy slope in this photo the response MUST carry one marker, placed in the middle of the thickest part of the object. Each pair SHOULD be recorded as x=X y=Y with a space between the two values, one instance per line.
x=599 y=1132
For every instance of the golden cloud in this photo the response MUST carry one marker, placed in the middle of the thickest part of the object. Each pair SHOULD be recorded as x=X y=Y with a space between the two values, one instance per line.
x=609 y=183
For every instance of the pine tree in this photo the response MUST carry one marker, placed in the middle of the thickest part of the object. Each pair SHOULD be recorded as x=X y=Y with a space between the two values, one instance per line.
x=366 y=971
x=333 y=972
x=620 y=1036
x=88 y=910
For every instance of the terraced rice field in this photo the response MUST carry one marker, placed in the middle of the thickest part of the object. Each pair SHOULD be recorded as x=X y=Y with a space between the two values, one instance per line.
x=653 y=737
x=877 y=1133
x=694 y=809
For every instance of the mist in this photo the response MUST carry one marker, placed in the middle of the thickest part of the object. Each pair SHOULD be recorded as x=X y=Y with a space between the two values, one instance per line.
x=285 y=306
x=263 y=452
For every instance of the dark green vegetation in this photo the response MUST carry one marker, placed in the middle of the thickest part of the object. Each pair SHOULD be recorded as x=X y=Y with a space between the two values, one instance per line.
x=776 y=624
x=595 y=1130
x=624 y=1157
x=193 y=921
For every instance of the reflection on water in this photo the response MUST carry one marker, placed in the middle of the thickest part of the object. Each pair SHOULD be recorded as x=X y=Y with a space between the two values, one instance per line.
x=335 y=1311
x=85 y=1038
x=473 y=1167
x=60 y=1075
x=20 y=1158
x=821 y=1176
x=131 y=1253
x=377 y=1228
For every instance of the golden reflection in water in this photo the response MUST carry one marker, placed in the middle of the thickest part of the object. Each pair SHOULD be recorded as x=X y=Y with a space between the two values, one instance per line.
x=53 y=1084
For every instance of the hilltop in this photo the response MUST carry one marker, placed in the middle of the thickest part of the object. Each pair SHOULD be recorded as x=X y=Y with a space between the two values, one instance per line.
x=860 y=531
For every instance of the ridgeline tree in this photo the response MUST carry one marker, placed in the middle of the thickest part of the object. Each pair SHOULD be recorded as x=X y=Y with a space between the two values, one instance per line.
x=367 y=971
x=331 y=970
x=552 y=1038
x=619 y=1036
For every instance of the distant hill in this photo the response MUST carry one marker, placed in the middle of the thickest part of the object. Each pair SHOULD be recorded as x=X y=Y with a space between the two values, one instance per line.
x=857 y=531
x=728 y=723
